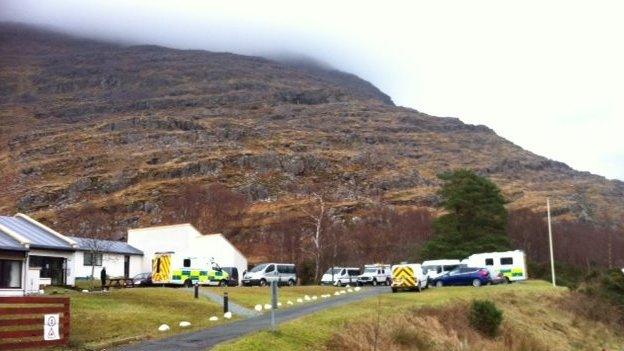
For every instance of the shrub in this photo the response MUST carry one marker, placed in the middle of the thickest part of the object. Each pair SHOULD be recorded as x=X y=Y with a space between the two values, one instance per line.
x=485 y=317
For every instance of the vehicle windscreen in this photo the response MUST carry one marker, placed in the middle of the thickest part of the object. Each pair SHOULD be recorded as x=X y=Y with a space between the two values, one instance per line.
x=258 y=268
x=370 y=270
x=333 y=271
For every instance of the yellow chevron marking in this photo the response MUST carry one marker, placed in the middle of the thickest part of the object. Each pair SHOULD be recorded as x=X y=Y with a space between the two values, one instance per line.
x=403 y=276
x=162 y=272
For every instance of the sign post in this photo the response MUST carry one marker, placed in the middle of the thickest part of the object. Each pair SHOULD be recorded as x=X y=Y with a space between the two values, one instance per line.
x=51 y=327
x=273 y=303
x=550 y=242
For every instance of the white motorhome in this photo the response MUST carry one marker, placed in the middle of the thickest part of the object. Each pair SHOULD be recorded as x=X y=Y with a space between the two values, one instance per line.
x=511 y=264
x=340 y=276
x=262 y=274
x=375 y=274
x=436 y=268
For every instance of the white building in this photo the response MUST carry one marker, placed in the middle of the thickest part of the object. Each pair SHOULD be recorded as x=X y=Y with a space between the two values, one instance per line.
x=32 y=254
x=119 y=258
x=46 y=256
x=184 y=239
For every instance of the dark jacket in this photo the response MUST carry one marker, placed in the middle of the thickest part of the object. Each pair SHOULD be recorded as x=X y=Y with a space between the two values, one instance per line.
x=103 y=274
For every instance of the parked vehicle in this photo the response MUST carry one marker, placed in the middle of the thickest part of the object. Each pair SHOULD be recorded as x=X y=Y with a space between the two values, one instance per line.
x=375 y=274
x=436 y=268
x=263 y=274
x=171 y=269
x=512 y=264
x=340 y=276
x=475 y=276
x=408 y=276
x=142 y=279
x=233 y=275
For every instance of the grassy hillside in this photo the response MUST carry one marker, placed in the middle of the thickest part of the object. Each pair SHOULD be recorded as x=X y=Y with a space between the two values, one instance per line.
x=536 y=317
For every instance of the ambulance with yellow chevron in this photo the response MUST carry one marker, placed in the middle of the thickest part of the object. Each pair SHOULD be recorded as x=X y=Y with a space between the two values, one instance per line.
x=171 y=269
x=408 y=276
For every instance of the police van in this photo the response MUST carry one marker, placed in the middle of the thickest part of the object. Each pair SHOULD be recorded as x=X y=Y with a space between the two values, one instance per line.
x=171 y=269
x=511 y=264
x=340 y=276
x=408 y=276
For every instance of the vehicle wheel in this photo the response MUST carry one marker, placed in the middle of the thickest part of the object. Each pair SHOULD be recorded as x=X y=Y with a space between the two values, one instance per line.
x=476 y=283
x=507 y=281
x=291 y=282
x=439 y=284
x=188 y=283
x=394 y=290
x=263 y=282
x=374 y=282
x=222 y=283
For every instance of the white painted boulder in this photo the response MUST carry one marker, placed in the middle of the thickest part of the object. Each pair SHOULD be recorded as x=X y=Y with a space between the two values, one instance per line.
x=163 y=328
x=185 y=324
x=213 y=319
x=307 y=298
x=227 y=315
x=258 y=308
x=267 y=306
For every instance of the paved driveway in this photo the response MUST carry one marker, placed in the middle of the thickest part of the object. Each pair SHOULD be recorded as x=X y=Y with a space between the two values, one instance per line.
x=207 y=338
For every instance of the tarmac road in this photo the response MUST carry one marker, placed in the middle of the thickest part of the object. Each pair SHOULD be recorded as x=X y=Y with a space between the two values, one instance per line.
x=208 y=338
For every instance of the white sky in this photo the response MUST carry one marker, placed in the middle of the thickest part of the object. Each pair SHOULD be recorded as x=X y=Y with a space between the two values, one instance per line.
x=547 y=75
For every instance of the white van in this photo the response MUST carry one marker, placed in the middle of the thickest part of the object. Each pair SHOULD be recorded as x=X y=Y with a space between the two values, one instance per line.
x=263 y=274
x=375 y=274
x=436 y=268
x=511 y=264
x=340 y=276
x=408 y=276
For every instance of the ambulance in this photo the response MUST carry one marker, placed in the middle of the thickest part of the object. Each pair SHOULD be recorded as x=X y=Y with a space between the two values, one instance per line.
x=171 y=269
x=408 y=276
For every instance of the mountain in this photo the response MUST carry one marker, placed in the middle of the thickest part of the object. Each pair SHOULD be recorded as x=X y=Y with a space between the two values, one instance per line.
x=125 y=126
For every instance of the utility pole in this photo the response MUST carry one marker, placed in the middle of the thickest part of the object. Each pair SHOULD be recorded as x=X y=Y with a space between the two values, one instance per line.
x=552 y=257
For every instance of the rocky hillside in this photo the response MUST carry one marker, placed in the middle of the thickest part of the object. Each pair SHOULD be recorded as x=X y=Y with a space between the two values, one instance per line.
x=125 y=126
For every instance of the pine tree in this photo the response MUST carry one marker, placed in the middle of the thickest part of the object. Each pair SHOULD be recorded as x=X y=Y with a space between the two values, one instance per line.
x=475 y=219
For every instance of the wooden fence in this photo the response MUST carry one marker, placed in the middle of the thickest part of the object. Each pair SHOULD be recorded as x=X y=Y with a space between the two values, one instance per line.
x=22 y=321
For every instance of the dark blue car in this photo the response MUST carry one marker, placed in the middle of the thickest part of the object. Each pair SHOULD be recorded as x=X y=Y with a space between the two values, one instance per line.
x=474 y=276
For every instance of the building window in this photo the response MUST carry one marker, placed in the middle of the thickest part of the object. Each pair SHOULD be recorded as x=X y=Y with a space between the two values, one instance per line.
x=10 y=274
x=92 y=259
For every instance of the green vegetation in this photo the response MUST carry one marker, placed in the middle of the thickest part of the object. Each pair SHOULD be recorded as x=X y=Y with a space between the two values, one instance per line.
x=537 y=317
x=100 y=320
x=485 y=317
x=475 y=221
x=253 y=295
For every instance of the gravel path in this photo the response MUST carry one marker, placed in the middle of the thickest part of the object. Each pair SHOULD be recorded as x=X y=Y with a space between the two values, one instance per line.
x=235 y=308
x=208 y=338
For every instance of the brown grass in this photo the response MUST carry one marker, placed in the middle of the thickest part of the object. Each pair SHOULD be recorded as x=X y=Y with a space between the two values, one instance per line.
x=429 y=329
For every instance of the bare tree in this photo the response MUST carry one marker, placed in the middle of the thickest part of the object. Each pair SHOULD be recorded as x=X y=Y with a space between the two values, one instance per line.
x=96 y=228
x=211 y=209
x=316 y=214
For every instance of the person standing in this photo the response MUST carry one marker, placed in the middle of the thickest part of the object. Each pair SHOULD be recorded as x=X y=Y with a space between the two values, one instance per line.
x=103 y=277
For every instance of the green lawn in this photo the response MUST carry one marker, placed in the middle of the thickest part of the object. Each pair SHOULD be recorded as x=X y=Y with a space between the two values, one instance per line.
x=118 y=316
x=530 y=308
x=253 y=295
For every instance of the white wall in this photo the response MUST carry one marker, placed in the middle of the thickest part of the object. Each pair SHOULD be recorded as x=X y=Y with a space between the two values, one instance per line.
x=174 y=238
x=114 y=264
x=185 y=240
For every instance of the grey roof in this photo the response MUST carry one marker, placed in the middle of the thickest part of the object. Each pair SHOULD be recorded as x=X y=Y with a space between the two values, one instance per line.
x=39 y=238
x=108 y=246
x=8 y=243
